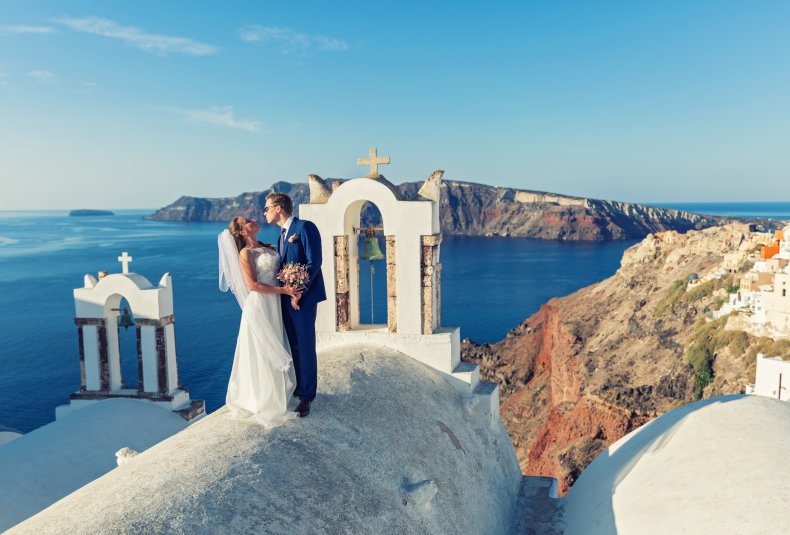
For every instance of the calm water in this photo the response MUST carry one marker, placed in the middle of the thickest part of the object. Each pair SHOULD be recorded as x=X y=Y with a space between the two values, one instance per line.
x=489 y=285
x=768 y=210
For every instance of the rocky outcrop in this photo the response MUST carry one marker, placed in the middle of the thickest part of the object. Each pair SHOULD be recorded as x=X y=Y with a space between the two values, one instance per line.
x=224 y=209
x=480 y=210
x=86 y=212
x=588 y=368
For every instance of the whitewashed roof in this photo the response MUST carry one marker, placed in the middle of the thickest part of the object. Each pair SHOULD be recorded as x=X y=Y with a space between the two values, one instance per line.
x=47 y=464
x=716 y=466
x=390 y=447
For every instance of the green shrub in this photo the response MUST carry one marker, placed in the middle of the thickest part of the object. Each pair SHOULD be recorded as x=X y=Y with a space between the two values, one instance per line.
x=699 y=356
x=673 y=296
x=739 y=342
x=703 y=290
x=701 y=380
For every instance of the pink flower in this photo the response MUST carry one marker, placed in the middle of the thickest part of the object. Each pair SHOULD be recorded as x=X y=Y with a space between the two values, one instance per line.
x=294 y=275
x=293 y=238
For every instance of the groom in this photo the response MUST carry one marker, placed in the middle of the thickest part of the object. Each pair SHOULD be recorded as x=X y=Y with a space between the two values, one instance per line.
x=299 y=242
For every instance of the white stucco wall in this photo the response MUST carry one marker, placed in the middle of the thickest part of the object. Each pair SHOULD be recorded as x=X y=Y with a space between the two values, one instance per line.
x=776 y=303
x=148 y=345
x=90 y=340
x=770 y=372
x=170 y=352
x=406 y=220
x=145 y=301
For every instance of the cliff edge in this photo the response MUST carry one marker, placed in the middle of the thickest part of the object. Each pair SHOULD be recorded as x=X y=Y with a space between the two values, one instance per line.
x=590 y=367
x=480 y=210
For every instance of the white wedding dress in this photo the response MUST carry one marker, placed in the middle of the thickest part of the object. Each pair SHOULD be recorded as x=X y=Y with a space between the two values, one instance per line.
x=262 y=378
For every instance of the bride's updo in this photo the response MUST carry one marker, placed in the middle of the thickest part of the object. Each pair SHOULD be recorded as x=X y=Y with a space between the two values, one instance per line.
x=234 y=227
x=235 y=230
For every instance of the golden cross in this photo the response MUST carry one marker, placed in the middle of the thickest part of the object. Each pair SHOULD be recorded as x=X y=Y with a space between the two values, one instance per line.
x=373 y=161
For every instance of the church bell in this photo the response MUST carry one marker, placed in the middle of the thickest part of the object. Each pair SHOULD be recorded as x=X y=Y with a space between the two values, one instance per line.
x=370 y=247
x=126 y=319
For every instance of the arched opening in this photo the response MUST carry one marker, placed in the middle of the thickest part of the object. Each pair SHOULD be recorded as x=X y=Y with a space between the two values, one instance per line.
x=365 y=242
x=122 y=345
x=372 y=266
x=128 y=346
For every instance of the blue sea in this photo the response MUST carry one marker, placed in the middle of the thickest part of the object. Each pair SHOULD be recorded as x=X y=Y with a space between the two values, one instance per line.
x=489 y=285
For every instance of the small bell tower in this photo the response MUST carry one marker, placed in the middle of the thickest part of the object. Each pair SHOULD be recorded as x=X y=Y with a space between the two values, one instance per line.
x=412 y=240
x=98 y=319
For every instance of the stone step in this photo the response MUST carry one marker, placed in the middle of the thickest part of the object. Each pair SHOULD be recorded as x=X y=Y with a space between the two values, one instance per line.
x=539 y=510
x=468 y=372
x=485 y=400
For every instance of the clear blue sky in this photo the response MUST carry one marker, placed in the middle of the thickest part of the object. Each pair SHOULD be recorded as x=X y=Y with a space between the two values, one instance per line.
x=132 y=104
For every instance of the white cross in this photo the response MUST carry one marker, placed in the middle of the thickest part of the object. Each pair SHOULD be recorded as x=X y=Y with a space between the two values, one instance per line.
x=373 y=161
x=124 y=259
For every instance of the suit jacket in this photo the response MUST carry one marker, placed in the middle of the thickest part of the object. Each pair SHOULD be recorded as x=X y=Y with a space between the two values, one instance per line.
x=306 y=249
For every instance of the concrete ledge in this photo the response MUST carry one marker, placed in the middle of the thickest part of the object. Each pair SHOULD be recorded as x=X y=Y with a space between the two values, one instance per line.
x=468 y=372
x=440 y=350
x=194 y=411
x=489 y=395
x=177 y=401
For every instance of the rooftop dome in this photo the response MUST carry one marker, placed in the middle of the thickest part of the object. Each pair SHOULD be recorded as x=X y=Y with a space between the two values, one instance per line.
x=390 y=447
x=8 y=434
x=716 y=466
x=48 y=463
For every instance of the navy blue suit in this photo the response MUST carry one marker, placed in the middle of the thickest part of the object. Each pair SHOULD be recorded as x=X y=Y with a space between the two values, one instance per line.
x=304 y=248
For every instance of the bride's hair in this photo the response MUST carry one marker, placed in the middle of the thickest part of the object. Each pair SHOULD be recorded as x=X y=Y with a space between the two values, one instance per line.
x=235 y=230
x=234 y=227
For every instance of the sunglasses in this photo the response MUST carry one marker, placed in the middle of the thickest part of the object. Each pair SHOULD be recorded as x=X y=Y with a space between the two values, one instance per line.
x=266 y=208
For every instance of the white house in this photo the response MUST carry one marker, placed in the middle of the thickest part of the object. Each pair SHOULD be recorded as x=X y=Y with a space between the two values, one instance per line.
x=776 y=304
x=773 y=378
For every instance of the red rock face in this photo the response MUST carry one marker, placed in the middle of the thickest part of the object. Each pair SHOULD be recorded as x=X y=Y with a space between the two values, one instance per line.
x=590 y=367
x=574 y=434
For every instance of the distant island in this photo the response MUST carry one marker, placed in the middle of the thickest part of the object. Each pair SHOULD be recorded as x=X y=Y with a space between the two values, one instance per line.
x=469 y=209
x=84 y=212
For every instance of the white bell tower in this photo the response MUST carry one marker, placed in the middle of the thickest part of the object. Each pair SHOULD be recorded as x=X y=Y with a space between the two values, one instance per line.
x=97 y=329
x=413 y=237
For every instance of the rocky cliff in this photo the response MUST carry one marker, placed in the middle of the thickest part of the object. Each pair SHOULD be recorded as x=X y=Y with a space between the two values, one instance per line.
x=588 y=368
x=480 y=210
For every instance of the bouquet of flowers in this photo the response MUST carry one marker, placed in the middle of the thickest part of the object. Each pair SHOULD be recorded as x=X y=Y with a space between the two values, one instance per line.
x=294 y=275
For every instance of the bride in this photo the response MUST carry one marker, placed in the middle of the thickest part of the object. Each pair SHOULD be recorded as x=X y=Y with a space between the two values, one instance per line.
x=262 y=378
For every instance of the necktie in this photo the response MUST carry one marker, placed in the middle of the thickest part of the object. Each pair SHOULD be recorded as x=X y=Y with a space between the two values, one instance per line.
x=282 y=240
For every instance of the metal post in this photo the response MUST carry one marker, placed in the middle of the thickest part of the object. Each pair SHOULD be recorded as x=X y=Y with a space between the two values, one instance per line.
x=371 y=291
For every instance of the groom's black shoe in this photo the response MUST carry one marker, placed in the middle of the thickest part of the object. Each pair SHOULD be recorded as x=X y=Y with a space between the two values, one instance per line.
x=303 y=408
x=296 y=393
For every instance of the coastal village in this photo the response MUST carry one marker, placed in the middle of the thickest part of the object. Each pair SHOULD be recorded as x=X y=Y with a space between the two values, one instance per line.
x=758 y=302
